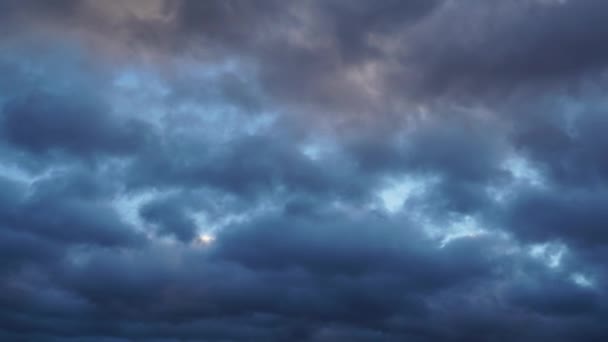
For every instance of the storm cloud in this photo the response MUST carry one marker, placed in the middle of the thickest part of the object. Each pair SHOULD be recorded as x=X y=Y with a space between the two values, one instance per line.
x=177 y=170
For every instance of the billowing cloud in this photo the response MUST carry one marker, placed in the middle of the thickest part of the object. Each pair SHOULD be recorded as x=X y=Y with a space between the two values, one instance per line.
x=178 y=170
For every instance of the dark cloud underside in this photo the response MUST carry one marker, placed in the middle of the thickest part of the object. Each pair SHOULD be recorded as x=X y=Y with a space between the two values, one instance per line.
x=176 y=170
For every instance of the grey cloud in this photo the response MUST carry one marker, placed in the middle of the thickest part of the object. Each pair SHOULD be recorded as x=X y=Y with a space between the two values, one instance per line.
x=284 y=128
x=171 y=218
x=477 y=47
x=41 y=123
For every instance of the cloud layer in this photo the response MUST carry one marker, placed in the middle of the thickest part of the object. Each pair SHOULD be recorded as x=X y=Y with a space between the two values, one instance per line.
x=414 y=170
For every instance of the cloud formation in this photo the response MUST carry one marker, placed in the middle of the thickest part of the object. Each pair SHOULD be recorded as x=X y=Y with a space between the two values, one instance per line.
x=177 y=170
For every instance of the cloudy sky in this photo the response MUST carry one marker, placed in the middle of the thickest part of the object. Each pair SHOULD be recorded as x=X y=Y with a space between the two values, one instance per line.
x=312 y=170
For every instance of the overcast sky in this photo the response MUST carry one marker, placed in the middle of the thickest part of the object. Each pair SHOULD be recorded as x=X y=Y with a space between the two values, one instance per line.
x=314 y=170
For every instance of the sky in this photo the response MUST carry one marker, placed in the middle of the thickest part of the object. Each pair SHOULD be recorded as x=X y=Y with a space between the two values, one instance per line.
x=313 y=170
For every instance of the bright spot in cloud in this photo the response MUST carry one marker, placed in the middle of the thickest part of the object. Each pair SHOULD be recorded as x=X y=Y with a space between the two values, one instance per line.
x=465 y=227
x=127 y=80
x=312 y=151
x=14 y=173
x=394 y=195
x=205 y=239
x=129 y=205
x=523 y=170
x=581 y=280
x=550 y=253
x=523 y=173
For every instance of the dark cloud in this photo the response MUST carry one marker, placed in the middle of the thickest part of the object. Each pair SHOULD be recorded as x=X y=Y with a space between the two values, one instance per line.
x=317 y=243
x=556 y=297
x=166 y=285
x=67 y=214
x=22 y=248
x=16 y=12
x=574 y=216
x=170 y=218
x=302 y=171
x=42 y=123
x=564 y=138
x=482 y=46
x=246 y=166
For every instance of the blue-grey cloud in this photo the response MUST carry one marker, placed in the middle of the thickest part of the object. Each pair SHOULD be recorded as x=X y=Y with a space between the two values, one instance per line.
x=302 y=171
